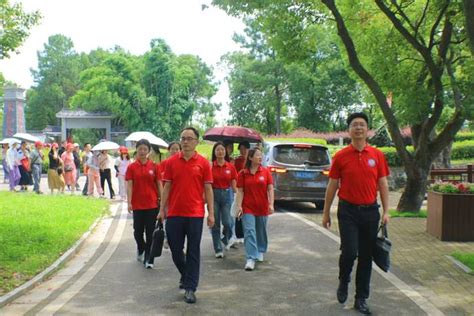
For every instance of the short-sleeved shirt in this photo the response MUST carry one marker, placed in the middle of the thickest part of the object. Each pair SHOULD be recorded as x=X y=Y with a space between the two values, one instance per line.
x=222 y=176
x=239 y=163
x=255 y=187
x=53 y=163
x=36 y=158
x=186 y=197
x=144 y=186
x=358 y=173
x=162 y=167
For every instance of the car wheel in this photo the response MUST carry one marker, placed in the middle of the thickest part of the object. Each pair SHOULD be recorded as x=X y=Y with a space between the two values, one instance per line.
x=319 y=205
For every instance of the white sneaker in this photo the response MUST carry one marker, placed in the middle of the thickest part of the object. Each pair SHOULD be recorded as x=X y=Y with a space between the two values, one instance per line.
x=230 y=243
x=240 y=240
x=149 y=265
x=220 y=255
x=250 y=265
x=141 y=256
x=260 y=257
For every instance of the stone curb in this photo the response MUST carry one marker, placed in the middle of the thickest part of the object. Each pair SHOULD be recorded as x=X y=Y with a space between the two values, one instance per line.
x=458 y=263
x=22 y=289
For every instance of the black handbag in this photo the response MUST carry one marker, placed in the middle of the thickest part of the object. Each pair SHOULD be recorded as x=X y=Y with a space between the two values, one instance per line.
x=239 y=229
x=383 y=245
x=157 y=241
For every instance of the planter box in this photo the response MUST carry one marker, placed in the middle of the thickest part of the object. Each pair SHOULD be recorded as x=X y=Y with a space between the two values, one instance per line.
x=451 y=216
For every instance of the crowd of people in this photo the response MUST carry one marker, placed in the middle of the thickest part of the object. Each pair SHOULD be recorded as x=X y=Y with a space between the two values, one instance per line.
x=176 y=191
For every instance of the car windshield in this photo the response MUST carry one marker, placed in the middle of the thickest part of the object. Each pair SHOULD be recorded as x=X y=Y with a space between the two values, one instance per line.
x=301 y=154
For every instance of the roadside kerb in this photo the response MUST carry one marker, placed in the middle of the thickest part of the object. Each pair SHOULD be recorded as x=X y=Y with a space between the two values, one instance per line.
x=411 y=293
x=22 y=289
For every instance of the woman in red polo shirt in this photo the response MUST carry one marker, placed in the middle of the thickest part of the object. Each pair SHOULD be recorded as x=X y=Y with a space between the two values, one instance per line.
x=144 y=188
x=255 y=201
x=224 y=178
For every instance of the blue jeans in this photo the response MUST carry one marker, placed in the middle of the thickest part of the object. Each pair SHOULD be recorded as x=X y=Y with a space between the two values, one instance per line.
x=6 y=170
x=221 y=214
x=255 y=235
x=190 y=228
x=36 y=171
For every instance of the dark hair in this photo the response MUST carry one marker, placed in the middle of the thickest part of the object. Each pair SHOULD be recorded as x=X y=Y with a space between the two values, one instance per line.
x=245 y=143
x=357 y=115
x=252 y=152
x=121 y=156
x=86 y=145
x=228 y=142
x=190 y=128
x=174 y=143
x=143 y=142
x=226 y=157
x=156 y=148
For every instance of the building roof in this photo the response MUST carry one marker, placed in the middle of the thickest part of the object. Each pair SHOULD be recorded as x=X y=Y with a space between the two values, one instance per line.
x=79 y=113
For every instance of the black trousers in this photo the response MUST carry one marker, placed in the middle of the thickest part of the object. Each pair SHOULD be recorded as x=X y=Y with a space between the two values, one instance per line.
x=144 y=222
x=177 y=229
x=105 y=174
x=358 y=229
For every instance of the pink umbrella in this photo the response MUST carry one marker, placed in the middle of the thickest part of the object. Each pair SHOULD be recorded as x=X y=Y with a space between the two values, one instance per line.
x=232 y=133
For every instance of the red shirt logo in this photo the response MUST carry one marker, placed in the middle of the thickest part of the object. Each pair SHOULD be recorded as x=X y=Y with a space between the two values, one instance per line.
x=371 y=163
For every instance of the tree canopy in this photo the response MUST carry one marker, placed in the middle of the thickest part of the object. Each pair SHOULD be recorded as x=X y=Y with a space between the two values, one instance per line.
x=159 y=91
x=417 y=50
x=15 y=26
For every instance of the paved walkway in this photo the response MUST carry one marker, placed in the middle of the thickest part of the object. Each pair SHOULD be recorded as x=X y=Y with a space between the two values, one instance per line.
x=422 y=261
x=298 y=277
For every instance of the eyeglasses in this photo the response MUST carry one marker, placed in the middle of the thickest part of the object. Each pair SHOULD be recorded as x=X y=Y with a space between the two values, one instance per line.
x=187 y=139
x=354 y=125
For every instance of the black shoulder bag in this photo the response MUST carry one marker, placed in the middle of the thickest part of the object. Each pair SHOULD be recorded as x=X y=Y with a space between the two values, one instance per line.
x=383 y=245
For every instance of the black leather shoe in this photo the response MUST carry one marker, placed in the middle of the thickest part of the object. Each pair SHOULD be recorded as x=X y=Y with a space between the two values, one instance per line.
x=189 y=297
x=342 y=292
x=360 y=305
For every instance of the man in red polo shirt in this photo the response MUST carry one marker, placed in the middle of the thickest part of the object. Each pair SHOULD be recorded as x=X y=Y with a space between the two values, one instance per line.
x=187 y=178
x=357 y=171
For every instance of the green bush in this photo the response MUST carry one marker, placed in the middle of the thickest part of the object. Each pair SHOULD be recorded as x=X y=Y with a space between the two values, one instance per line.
x=462 y=136
x=461 y=151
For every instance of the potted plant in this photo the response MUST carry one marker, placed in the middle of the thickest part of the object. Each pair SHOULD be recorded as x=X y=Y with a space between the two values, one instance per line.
x=451 y=211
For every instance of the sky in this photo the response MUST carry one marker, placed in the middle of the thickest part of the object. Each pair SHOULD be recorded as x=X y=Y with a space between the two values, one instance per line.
x=130 y=24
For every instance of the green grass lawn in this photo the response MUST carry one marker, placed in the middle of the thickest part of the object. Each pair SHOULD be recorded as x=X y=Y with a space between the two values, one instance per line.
x=420 y=214
x=466 y=258
x=35 y=230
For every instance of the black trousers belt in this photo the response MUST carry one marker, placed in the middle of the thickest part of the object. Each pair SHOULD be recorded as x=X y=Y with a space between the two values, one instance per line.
x=358 y=206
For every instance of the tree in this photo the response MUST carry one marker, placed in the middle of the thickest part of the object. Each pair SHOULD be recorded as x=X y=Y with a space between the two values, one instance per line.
x=113 y=85
x=15 y=26
x=416 y=49
x=55 y=81
x=469 y=16
x=177 y=88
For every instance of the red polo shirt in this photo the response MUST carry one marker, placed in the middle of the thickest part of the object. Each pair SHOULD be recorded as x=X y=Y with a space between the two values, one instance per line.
x=239 y=163
x=222 y=176
x=162 y=167
x=187 y=179
x=255 y=190
x=358 y=173
x=145 y=190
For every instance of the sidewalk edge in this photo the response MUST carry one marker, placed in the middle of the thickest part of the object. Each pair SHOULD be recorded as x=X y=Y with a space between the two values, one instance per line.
x=406 y=289
x=56 y=265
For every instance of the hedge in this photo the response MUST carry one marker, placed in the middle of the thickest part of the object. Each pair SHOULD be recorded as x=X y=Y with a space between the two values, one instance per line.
x=461 y=151
x=462 y=136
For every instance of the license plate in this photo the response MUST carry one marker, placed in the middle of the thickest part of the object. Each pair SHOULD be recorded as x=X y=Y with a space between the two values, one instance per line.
x=304 y=175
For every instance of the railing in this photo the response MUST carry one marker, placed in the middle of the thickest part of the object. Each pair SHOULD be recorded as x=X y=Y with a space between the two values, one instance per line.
x=453 y=175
